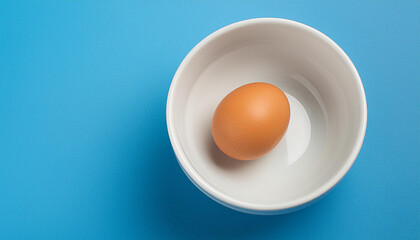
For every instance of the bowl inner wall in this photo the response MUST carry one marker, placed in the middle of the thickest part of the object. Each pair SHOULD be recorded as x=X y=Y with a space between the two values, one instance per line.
x=325 y=111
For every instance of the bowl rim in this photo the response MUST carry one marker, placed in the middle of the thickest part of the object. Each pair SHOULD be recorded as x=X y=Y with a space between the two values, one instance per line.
x=208 y=189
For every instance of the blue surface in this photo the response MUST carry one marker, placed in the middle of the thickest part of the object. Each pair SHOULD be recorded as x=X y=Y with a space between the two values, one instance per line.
x=84 y=151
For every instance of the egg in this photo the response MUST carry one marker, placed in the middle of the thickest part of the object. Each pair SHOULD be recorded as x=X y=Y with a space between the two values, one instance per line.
x=250 y=120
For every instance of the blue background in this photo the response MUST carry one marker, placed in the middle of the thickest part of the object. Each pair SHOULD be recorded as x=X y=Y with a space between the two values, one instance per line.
x=84 y=150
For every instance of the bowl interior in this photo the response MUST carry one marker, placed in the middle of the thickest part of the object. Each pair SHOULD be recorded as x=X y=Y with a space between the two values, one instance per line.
x=327 y=112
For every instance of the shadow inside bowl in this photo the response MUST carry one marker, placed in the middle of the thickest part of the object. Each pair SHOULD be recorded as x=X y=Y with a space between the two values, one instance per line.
x=222 y=160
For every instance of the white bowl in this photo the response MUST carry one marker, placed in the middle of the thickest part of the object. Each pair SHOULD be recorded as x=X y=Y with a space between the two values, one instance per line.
x=328 y=114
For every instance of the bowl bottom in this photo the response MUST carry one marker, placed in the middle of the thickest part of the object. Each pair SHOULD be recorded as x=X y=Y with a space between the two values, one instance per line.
x=292 y=169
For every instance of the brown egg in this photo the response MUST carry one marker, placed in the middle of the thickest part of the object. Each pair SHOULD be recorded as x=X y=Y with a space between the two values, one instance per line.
x=251 y=120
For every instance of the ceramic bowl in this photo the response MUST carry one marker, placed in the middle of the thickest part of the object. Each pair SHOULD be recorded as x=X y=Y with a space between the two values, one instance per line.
x=327 y=124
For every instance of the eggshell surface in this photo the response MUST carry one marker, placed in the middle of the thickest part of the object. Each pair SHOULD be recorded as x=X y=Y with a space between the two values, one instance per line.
x=251 y=120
